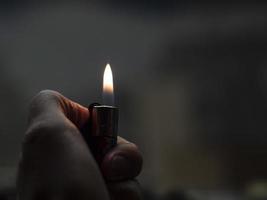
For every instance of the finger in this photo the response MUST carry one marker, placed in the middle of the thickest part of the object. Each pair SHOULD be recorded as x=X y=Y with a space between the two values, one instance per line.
x=123 y=162
x=51 y=104
x=55 y=159
x=129 y=190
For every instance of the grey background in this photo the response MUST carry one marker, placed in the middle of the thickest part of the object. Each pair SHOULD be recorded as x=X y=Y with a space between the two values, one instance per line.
x=190 y=82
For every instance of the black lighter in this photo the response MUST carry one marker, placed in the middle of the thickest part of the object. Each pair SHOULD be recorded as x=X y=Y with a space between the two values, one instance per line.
x=102 y=127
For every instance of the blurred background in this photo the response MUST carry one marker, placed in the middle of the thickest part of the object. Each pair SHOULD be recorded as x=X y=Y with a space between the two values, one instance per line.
x=190 y=81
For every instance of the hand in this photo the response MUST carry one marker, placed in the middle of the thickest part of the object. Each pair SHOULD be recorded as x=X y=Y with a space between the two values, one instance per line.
x=56 y=163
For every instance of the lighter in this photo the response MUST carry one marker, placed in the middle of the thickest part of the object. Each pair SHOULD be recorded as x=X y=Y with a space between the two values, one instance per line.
x=101 y=131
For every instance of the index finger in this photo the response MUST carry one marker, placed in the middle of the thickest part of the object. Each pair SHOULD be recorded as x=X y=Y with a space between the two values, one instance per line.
x=51 y=104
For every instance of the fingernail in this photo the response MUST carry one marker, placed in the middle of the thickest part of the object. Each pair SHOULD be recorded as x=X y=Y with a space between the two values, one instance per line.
x=119 y=167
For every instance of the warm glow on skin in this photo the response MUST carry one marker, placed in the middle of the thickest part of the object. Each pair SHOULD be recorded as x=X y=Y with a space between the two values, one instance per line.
x=108 y=80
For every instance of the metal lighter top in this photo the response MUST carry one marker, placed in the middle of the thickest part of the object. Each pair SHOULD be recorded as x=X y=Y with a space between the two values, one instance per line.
x=103 y=127
x=104 y=120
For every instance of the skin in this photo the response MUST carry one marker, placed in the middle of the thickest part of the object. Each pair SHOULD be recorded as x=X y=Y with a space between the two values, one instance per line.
x=56 y=163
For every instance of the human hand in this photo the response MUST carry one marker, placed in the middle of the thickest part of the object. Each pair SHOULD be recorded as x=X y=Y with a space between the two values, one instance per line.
x=56 y=162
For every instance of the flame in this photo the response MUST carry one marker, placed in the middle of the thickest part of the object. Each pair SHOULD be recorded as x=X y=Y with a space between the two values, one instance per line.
x=108 y=80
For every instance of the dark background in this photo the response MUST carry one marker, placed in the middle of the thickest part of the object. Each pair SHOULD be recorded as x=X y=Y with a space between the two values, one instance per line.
x=190 y=81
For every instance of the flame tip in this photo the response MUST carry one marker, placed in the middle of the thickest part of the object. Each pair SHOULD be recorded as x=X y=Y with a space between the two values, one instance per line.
x=108 y=79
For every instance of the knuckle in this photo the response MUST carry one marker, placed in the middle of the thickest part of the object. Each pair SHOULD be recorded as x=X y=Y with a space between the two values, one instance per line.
x=42 y=131
x=47 y=92
x=44 y=95
x=42 y=101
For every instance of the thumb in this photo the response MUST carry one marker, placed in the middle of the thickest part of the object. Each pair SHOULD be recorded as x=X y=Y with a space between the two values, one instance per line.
x=123 y=162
